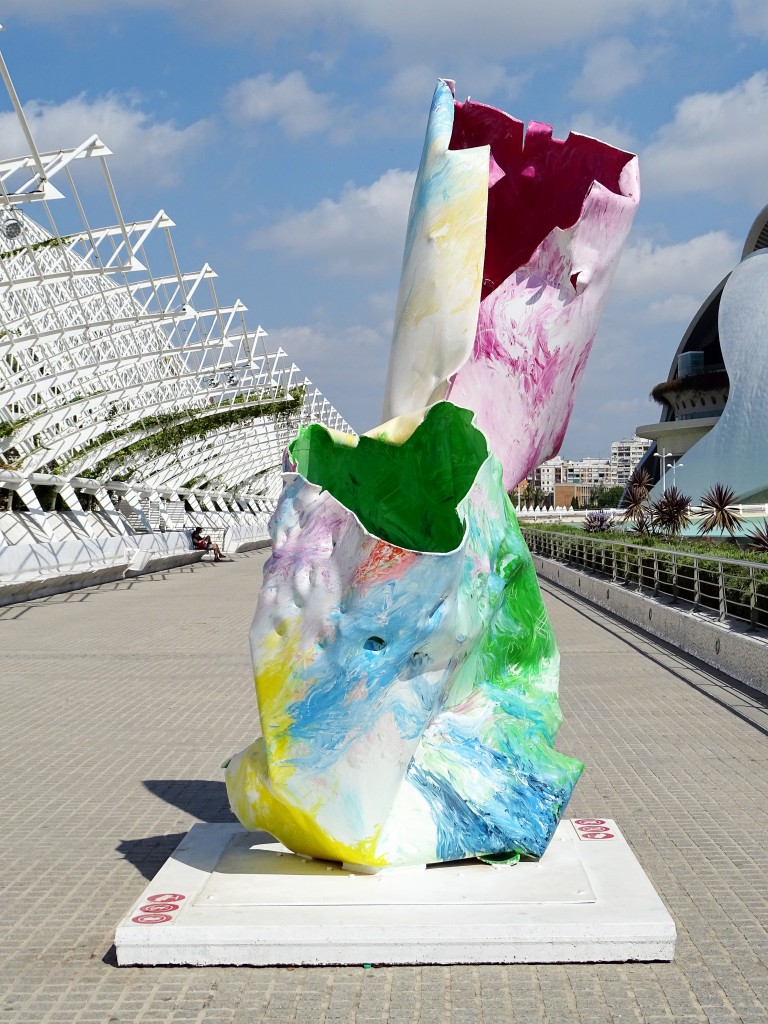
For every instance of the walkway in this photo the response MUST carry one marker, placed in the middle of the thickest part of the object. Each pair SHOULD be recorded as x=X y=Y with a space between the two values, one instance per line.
x=120 y=703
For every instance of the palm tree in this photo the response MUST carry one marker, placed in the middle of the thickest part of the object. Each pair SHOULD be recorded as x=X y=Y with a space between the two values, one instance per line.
x=533 y=496
x=634 y=502
x=671 y=513
x=719 y=513
x=635 y=499
x=643 y=522
x=758 y=538
x=641 y=479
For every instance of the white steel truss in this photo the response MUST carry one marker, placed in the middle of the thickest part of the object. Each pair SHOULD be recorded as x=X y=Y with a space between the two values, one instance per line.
x=112 y=370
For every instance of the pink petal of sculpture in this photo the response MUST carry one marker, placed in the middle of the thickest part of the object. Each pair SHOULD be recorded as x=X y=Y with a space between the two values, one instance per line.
x=558 y=213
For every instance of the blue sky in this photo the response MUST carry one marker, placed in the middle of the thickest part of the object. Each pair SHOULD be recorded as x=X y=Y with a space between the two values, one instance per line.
x=283 y=139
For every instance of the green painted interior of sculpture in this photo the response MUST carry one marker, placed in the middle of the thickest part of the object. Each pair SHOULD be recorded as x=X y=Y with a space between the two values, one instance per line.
x=406 y=494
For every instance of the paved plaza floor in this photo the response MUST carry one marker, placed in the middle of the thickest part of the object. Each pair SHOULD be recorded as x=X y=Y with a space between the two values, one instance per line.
x=120 y=703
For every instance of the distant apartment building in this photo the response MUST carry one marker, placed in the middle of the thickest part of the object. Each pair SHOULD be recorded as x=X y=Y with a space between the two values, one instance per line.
x=625 y=455
x=549 y=473
x=591 y=473
x=561 y=480
x=588 y=472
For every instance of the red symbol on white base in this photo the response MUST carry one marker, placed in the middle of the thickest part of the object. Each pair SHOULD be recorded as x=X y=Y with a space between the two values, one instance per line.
x=593 y=828
x=159 y=908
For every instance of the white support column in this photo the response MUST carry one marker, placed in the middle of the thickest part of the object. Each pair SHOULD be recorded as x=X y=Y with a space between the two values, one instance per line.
x=70 y=498
x=133 y=499
x=37 y=523
x=26 y=492
x=193 y=502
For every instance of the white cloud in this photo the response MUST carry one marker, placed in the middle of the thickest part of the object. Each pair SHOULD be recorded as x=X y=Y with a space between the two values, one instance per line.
x=361 y=234
x=414 y=80
x=289 y=101
x=145 y=151
x=431 y=26
x=400 y=109
x=585 y=123
x=657 y=291
x=669 y=282
x=383 y=303
x=610 y=67
x=751 y=17
x=499 y=26
x=403 y=100
x=349 y=361
x=485 y=77
x=715 y=142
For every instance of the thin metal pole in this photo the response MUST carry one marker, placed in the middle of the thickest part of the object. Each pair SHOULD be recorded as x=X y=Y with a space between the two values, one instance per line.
x=22 y=119
x=753 y=619
x=655 y=571
x=721 y=598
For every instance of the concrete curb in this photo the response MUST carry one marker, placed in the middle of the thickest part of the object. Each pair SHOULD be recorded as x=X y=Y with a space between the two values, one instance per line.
x=729 y=647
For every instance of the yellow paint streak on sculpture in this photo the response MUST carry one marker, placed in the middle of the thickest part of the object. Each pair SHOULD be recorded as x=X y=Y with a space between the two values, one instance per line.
x=257 y=807
x=341 y=437
x=276 y=653
x=399 y=429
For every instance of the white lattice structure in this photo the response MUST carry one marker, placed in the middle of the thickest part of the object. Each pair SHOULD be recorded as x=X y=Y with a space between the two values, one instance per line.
x=123 y=378
x=106 y=343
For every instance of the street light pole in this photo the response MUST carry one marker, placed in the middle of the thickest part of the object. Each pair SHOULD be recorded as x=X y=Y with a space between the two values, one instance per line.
x=663 y=458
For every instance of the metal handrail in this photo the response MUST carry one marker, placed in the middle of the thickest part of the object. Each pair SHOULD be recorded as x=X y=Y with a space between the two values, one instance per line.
x=732 y=588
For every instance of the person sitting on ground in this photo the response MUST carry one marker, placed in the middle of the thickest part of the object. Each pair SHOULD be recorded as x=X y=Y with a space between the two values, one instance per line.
x=202 y=543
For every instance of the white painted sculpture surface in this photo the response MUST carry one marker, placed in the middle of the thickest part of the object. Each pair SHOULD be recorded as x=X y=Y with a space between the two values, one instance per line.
x=439 y=296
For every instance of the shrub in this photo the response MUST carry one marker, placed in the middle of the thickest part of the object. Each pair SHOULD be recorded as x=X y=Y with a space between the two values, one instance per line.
x=671 y=513
x=598 y=521
x=758 y=538
x=634 y=502
x=719 y=513
x=643 y=523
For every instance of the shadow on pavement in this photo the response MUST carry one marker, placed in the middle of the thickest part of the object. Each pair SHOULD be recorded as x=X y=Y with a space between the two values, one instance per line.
x=149 y=854
x=205 y=800
x=740 y=699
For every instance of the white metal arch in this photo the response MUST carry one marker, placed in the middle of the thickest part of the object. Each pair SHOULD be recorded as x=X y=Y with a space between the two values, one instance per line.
x=99 y=353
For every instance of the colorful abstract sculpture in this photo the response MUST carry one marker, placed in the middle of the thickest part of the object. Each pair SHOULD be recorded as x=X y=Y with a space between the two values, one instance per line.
x=406 y=672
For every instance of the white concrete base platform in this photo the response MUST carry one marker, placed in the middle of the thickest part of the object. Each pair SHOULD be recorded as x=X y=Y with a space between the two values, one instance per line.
x=227 y=896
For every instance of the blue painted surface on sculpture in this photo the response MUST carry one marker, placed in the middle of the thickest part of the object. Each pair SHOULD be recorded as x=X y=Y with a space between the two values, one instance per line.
x=488 y=796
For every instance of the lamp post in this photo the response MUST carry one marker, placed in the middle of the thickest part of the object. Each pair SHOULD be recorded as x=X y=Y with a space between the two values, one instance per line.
x=663 y=458
x=665 y=466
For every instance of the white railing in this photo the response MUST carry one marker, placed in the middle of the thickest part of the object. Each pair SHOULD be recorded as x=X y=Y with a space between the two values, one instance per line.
x=58 y=533
x=569 y=515
x=729 y=587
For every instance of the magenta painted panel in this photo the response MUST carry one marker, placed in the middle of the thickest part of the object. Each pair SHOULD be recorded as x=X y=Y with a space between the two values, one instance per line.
x=558 y=214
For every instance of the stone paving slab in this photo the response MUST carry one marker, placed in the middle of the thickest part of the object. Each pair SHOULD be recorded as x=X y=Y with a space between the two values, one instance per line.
x=120 y=703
